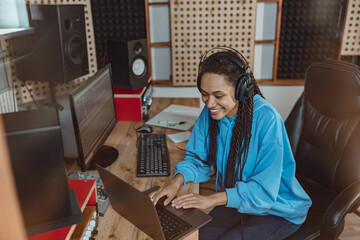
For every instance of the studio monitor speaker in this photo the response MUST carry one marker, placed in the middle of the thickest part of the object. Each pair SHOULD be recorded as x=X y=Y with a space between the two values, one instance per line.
x=129 y=62
x=56 y=50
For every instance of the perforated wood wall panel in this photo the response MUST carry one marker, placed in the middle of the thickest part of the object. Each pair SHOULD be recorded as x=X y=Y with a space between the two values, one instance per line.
x=199 y=25
x=351 y=38
x=40 y=90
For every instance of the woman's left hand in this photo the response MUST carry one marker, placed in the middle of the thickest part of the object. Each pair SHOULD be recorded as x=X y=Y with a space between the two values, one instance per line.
x=192 y=200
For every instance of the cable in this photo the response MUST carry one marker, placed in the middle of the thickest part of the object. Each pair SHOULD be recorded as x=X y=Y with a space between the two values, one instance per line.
x=137 y=138
x=27 y=88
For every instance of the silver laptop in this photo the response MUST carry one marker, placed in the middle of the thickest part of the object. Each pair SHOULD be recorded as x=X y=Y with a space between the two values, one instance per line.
x=159 y=222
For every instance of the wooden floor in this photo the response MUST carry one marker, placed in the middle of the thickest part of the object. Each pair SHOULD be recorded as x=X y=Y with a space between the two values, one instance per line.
x=352 y=227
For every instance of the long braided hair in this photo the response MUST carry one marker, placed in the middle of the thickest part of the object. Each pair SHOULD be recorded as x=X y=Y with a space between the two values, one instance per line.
x=241 y=135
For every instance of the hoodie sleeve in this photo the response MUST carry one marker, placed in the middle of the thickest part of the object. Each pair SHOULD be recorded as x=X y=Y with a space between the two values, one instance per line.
x=259 y=191
x=192 y=169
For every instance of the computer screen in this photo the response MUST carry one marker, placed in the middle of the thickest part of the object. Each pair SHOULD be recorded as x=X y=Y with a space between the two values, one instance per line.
x=37 y=159
x=93 y=111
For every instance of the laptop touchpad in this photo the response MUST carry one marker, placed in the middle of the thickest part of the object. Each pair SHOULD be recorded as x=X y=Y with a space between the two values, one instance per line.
x=177 y=212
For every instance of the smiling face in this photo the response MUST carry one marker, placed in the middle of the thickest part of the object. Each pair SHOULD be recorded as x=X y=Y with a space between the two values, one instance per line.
x=219 y=96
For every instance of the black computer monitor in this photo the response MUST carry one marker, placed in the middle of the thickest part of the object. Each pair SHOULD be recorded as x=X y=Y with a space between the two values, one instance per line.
x=37 y=160
x=93 y=111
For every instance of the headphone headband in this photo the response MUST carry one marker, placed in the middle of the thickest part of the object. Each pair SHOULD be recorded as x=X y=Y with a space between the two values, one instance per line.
x=230 y=50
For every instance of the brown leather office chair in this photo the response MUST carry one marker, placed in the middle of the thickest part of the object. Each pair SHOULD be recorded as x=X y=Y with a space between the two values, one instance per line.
x=324 y=132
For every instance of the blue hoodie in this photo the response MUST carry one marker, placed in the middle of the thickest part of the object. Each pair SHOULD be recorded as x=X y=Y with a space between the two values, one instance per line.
x=269 y=186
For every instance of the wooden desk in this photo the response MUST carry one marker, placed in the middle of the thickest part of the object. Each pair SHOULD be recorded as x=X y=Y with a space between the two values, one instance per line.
x=124 y=137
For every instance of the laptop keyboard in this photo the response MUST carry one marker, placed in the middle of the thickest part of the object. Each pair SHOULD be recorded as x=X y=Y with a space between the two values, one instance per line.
x=171 y=224
x=153 y=156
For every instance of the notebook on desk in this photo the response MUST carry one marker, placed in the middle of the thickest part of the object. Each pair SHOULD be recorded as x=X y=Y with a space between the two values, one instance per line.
x=176 y=117
x=159 y=222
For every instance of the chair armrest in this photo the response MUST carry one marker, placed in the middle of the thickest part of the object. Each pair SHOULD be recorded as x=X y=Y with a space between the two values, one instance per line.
x=334 y=216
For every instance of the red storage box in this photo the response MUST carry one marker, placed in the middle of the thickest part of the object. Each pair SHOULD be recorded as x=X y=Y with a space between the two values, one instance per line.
x=128 y=104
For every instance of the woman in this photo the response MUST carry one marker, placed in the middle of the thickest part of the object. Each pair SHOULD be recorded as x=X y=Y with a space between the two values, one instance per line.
x=243 y=138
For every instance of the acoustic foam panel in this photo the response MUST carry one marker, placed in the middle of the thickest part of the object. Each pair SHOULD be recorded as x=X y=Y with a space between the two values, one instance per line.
x=310 y=32
x=116 y=19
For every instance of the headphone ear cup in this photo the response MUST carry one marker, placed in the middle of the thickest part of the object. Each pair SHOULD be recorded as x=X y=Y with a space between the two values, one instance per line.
x=241 y=87
x=249 y=90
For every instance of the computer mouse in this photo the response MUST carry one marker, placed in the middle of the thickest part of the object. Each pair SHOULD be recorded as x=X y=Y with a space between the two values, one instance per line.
x=144 y=129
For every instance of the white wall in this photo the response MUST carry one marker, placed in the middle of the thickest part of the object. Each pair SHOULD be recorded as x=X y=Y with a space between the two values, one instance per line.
x=282 y=98
x=13 y=14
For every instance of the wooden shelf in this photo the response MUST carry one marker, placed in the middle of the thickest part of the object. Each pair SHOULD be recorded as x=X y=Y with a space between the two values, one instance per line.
x=87 y=217
x=161 y=44
x=6 y=33
x=280 y=82
x=265 y=41
x=268 y=0
x=166 y=83
x=158 y=3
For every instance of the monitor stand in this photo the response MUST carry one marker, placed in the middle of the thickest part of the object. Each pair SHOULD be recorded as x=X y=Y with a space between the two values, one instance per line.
x=104 y=157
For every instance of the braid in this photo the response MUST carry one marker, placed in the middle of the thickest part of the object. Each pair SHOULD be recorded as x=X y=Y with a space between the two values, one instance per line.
x=240 y=142
x=241 y=133
x=256 y=86
x=235 y=148
x=239 y=145
x=247 y=129
x=214 y=127
x=212 y=157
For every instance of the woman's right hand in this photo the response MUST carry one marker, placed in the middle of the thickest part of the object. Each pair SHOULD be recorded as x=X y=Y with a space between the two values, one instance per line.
x=169 y=190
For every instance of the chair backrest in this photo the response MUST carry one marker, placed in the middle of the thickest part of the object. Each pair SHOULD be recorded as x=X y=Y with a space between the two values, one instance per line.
x=324 y=126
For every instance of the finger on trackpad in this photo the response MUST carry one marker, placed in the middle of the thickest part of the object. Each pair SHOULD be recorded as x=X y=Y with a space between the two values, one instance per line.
x=179 y=211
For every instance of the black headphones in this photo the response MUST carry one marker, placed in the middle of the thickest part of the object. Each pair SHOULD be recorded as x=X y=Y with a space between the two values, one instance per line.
x=244 y=87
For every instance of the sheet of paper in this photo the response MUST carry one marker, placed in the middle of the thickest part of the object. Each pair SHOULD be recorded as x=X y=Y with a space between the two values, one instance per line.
x=173 y=115
x=179 y=137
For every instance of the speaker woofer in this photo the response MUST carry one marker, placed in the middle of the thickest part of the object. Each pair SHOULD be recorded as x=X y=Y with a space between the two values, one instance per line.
x=138 y=67
x=75 y=51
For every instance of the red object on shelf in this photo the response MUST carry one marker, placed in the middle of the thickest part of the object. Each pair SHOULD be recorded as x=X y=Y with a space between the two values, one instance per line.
x=128 y=104
x=85 y=191
x=86 y=194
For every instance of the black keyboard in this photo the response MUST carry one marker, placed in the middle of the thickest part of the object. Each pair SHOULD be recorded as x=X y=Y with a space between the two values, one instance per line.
x=171 y=224
x=153 y=156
